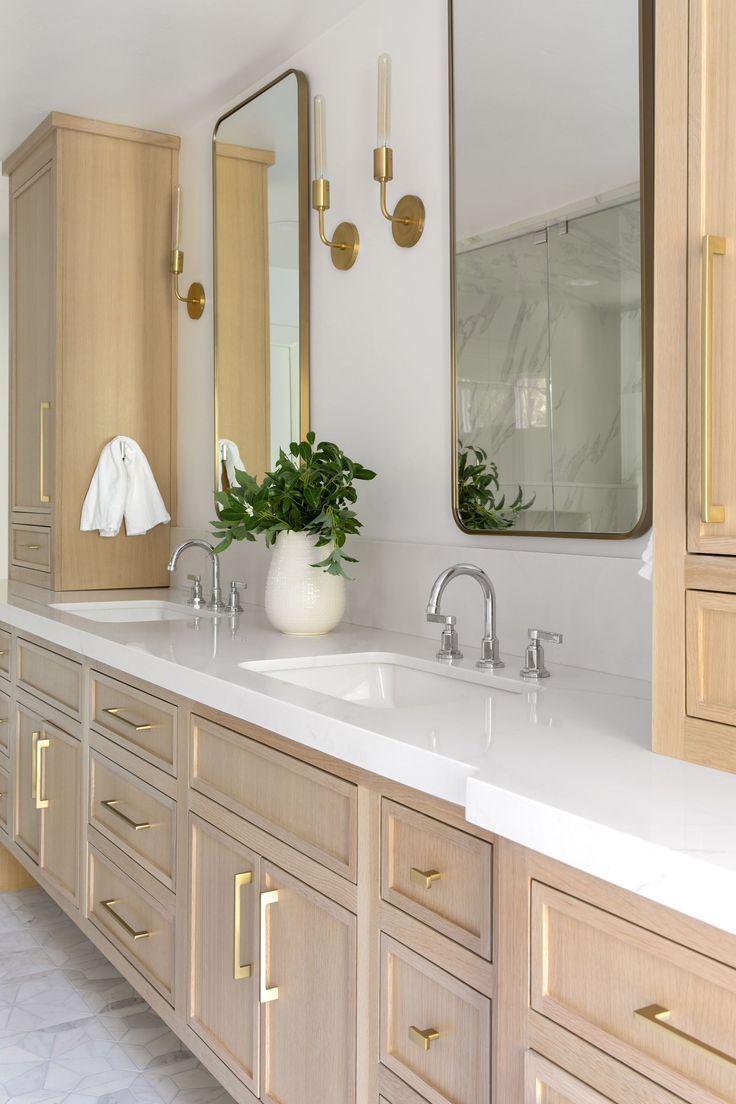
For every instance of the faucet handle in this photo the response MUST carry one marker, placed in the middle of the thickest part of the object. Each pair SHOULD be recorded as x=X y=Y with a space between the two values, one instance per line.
x=447 y=620
x=196 y=598
x=542 y=634
x=233 y=605
x=449 y=649
x=534 y=668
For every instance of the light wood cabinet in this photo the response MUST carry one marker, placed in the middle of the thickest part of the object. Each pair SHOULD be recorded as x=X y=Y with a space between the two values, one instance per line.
x=93 y=333
x=27 y=831
x=4 y=722
x=546 y=1083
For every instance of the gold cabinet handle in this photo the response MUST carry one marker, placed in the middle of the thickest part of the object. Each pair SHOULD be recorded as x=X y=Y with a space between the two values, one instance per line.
x=109 y=907
x=423 y=1037
x=658 y=1015
x=39 y=746
x=137 y=826
x=33 y=547
x=117 y=712
x=239 y=970
x=424 y=878
x=710 y=513
x=6 y=652
x=42 y=407
x=265 y=994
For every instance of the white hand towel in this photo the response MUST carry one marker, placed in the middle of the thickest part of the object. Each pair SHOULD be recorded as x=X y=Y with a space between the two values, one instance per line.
x=123 y=488
x=229 y=452
x=646 y=560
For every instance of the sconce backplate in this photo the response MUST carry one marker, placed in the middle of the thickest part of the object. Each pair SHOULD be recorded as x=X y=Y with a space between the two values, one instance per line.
x=346 y=235
x=195 y=301
x=408 y=233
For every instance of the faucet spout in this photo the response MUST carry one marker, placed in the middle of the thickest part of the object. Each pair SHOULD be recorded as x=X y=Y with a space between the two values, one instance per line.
x=490 y=659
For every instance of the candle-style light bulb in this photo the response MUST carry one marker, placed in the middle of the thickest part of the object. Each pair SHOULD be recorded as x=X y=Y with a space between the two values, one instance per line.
x=384 y=100
x=320 y=138
x=177 y=216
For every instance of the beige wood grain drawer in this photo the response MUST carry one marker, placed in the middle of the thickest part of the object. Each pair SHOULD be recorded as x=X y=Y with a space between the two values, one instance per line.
x=133 y=815
x=711 y=645
x=309 y=809
x=440 y=875
x=546 y=1083
x=53 y=677
x=6 y=644
x=656 y=1005
x=140 y=926
x=435 y=1030
x=4 y=721
x=4 y=798
x=30 y=546
x=139 y=721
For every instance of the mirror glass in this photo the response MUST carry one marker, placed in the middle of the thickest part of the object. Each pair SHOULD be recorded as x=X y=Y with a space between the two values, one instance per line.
x=260 y=167
x=551 y=110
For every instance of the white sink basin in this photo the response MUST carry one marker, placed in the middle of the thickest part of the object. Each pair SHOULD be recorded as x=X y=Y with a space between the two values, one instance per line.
x=384 y=680
x=150 y=610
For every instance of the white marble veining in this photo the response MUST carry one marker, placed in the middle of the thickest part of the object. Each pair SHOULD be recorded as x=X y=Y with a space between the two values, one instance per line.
x=565 y=768
x=72 y=1031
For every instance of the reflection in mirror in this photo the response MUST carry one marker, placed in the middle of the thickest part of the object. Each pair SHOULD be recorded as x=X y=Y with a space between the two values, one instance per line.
x=261 y=279
x=550 y=297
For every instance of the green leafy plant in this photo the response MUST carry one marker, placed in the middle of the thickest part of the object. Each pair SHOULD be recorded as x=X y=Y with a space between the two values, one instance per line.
x=478 y=486
x=310 y=490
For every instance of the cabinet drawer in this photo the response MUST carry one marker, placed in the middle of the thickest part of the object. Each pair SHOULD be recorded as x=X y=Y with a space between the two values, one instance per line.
x=139 y=721
x=4 y=798
x=135 y=816
x=6 y=642
x=439 y=874
x=418 y=1000
x=546 y=1083
x=50 y=676
x=307 y=808
x=652 y=1003
x=711 y=644
x=30 y=546
x=4 y=722
x=138 y=925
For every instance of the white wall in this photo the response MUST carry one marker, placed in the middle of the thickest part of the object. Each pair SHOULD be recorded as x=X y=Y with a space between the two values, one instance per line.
x=381 y=370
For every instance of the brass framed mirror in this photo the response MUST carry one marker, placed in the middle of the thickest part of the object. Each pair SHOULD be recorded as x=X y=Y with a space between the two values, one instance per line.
x=551 y=119
x=260 y=168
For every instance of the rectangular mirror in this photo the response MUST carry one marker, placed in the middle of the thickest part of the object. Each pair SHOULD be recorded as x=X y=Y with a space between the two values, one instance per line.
x=261 y=254
x=551 y=120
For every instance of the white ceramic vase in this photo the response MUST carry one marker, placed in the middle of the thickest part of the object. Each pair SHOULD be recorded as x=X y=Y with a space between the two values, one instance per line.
x=302 y=600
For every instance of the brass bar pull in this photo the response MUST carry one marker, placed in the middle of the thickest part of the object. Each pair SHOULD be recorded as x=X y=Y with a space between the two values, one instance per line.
x=6 y=652
x=109 y=907
x=33 y=547
x=42 y=408
x=658 y=1015
x=265 y=994
x=423 y=1037
x=424 y=878
x=239 y=970
x=39 y=746
x=117 y=712
x=710 y=513
x=137 y=826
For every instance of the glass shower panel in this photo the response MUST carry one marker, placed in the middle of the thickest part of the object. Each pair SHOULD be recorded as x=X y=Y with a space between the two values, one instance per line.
x=596 y=370
x=503 y=379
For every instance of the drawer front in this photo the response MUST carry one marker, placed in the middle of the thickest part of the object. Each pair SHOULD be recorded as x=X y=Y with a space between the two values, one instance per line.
x=30 y=546
x=435 y=1030
x=135 y=816
x=711 y=644
x=307 y=808
x=139 y=721
x=6 y=642
x=138 y=925
x=4 y=798
x=546 y=1083
x=653 y=1004
x=50 y=676
x=4 y=722
x=440 y=875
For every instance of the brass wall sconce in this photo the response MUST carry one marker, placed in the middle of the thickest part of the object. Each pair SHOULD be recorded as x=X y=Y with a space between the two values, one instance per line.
x=195 y=298
x=345 y=241
x=407 y=221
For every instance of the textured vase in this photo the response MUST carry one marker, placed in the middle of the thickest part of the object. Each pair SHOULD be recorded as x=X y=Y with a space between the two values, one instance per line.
x=302 y=600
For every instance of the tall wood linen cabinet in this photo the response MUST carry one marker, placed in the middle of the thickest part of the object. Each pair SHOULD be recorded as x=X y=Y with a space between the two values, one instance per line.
x=93 y=342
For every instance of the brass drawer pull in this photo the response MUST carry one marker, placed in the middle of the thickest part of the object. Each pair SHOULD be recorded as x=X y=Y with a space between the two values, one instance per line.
x=112 y=805
x=710 y=514
x=42 y=407
x=117 y=712
x=658 y=1015
x=424 y=878
x=4 y=653
x=423 y=1037
x=239 y=970
x=109 y=906
x=265 y=995
x=33 y=547
x=39 y=746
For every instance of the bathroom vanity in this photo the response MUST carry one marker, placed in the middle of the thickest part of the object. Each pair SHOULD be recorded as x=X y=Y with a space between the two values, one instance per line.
x=364 y=902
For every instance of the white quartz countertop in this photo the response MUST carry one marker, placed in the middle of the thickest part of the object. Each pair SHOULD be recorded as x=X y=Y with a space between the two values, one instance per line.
x=564 y=768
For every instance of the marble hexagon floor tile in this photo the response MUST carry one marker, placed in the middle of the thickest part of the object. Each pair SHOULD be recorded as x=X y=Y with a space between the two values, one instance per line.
x=72 y=1030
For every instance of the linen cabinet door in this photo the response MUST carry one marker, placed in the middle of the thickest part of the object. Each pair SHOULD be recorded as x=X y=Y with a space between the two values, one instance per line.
x=223 y=987
x=27 y=829
x=307 y=994
x=59 y=766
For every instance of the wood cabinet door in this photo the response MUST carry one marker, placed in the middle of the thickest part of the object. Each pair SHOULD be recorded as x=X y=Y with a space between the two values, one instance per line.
x=33 y=343
x=58 y=789
x=546 y=1083
x=27 y=832
x=307 y=994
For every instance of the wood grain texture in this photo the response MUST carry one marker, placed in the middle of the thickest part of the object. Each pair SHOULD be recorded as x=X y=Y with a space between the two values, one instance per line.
x=5 y=721
x=155 y=742
x=59 y=785
x=13 y=876
x=6 y=653
x=49 y=675
x=711 y=645
x=27 y=822
x=548 y=1084
x=30 y=546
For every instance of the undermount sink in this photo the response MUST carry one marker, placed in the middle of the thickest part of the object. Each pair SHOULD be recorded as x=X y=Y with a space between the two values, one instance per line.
x=383 y=680
x=146 y=610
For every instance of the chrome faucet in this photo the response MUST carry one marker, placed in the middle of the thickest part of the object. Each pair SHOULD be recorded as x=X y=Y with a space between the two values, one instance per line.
x=215 y=604
x=490 y=659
